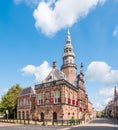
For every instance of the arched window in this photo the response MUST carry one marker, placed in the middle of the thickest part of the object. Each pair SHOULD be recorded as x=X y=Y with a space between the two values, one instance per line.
x=70 y=49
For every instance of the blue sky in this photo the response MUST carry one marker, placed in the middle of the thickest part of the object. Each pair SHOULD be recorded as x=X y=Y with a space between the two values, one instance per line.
x=33 y=33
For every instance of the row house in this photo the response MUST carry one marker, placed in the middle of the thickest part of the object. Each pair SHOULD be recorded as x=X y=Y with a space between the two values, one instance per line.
x=111 y=110
x=24 y=103
x=116 y=103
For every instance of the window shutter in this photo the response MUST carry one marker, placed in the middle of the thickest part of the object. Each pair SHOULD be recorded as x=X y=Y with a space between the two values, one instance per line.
x=59 y=99
x=52 y=100
x=68 y=100
x=76 y=103
x=36 y=101
x=73 y=102
x=80 y=109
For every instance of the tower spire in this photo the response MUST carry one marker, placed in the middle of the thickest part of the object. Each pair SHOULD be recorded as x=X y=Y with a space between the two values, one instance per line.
x=69 y=67
x=68 y=38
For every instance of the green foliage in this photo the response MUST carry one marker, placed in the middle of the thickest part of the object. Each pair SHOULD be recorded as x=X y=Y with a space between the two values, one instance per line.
x=9 y=100
x=100 y=113
x=73 y=119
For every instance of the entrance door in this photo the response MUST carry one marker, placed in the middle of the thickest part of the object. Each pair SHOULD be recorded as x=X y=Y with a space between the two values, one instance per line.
x=27 y=115
x=42 y=116
x=54 y=116
x=23 y=115
x=19 y=115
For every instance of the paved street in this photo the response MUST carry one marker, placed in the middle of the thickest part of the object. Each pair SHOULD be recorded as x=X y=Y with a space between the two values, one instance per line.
x=96 y=124
x=8 y=126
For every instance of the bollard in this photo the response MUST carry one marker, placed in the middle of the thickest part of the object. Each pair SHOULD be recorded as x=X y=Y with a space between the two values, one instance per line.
x=35 y=122
x=28 y=121
x=24 y=122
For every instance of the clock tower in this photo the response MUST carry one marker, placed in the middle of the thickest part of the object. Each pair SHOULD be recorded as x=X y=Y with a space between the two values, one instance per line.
x=69 y=67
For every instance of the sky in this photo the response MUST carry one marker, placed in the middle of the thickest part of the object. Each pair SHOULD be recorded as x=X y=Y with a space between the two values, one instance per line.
x=33 y=34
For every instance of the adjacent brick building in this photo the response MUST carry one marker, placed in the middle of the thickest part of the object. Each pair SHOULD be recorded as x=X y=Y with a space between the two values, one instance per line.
x=24 y=103
x=111 y=109
x=62 y=94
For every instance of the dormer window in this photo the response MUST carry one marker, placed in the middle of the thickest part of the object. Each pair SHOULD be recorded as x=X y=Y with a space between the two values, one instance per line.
x=50 y=77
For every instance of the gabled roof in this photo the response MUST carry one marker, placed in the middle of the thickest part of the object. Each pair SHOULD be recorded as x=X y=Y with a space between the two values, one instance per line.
x=55 y=74
x=28 y=90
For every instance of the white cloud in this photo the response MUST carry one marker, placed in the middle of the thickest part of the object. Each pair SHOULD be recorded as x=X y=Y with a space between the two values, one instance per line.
x=100 y=104
x=115 y=32
x=52 y=16
x=100 y=100
x=40 y=72
x=103 y=74
x=97 y=71
x=106 y=92
x=101 y=71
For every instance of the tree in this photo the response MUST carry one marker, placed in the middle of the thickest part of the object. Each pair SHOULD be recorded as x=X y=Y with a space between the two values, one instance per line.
x=100 y=113
x=9 y=100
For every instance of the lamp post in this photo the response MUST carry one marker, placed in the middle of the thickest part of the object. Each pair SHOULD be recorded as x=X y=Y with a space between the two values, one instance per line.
x=7 y=113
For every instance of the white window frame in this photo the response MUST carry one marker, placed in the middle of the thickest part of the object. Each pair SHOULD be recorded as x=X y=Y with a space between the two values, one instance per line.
x=40 y=99
x=56 y=96
x=66 y=96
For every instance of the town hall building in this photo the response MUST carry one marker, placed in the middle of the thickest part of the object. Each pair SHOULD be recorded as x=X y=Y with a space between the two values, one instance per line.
x=61 y=95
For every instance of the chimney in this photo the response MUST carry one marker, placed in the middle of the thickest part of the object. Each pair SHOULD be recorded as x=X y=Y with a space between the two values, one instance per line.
x=54 y=65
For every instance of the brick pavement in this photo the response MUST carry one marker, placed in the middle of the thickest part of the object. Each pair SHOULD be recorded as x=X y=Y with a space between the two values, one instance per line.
x=11 y=126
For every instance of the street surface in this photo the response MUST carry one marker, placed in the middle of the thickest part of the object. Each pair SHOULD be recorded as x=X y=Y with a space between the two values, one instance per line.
x=96 y=124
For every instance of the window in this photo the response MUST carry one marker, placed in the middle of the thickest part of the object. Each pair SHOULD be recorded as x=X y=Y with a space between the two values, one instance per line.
x=40 y=100
x=28 y=101
x=24 y=102
x=74 y=99
x=57 y=98
x=66 y=97
x=47 y=97
x=18 y=102
x=69 y=49
x=70 y=98
x=66 y=49
x=50 y=77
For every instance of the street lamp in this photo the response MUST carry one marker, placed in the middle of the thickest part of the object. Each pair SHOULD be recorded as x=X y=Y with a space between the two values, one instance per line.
x=7 y=113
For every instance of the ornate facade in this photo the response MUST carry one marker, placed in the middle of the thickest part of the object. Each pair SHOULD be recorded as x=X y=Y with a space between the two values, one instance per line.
x=62 y=94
